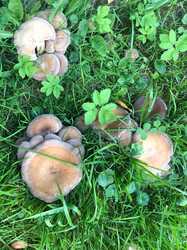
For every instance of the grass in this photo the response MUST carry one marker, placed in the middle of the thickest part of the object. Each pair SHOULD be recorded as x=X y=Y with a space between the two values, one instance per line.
x=86 y=219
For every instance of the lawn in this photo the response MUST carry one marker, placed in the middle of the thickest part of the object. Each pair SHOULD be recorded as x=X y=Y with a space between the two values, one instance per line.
x=139 y=211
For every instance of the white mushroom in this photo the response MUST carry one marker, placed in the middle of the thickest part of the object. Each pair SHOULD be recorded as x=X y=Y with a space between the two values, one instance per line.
x=32 y=35
x=44 y=124
x=63 y=63
x=48 y=64
x=51 y=170
x=62 y=41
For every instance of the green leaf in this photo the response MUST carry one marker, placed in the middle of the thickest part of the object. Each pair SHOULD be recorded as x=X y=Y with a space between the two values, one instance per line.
x=167 y=55
x=160 y=66
x=111 y=192
x=182 y=202
x=16 y=7
x=88 y=106
x=184 y=19
x=181 y=44
x=106 y=115
x=172 y=37
x=90 y=116
x=96 y=97
x=106 y=178
x=83 y=28
x=131 y=188
x=157 y=123
x=103 y=11
x=164 y=38
x=104 y=96
x=166 y=45
x=175 y=55
x=98 y=43
x=142 y=199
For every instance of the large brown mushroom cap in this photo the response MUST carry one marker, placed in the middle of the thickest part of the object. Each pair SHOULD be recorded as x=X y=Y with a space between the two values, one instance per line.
x=49 y=171
x=157 y=151
x=69 y=133
x=48 y=64
x=44 y=124
x=159 y=106
x=32 y=35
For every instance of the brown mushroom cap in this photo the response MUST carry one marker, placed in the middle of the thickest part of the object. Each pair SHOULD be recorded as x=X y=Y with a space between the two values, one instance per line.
x=49 y=177
x=63 y=63
x=59 y=21
x=32 y=35
x=19 y=244
x=44 y=124
x=62 y=41
x=69 y=133
x=159 y=107
x=157 y=151
x=48 y=64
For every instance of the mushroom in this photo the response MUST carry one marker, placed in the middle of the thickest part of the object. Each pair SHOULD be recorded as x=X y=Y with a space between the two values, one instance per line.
x=69 y=133
x=159 y=107
x=23 y=149
x=19 y=244
x=63 y=63
x=51 y=170
x=35 y=140
x=62 y=41
x=32 y=35
x=50 y=46
x=48 y=64
x=51 y=136
x=59 y=21
x=157 y=152
x=44 y=124
x=132 y=54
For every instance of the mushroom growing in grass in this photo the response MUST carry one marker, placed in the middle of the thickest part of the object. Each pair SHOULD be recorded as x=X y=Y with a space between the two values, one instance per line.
x=157 y=150
x=48 y=64
x=51 y=170
x=32 y=35
x=158 y=107
x=51 y=156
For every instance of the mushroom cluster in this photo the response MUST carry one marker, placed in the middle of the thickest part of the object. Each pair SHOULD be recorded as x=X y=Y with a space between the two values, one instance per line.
x=44 y=42
x=157 y=148
x=51 y=154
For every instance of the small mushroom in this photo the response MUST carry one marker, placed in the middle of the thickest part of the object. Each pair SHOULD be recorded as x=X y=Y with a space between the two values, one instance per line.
x=132 y=54
x=19 y=244
x=63 y=63
x=62 y=41
x=159 y=107
x=23 y=149
x=51 y=170
x=44 y=124
x=50 y=46
x=51 y=136
x=35 y=140
x=31 y=37
x=48 y=64
x=157 y=152
x=59 y=21
x=69 y=133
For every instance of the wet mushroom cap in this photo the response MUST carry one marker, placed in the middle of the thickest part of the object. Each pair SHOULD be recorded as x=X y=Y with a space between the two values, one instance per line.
x=48 y=64
x=51 y=170
x=69 y=133
x=157 y=150
x=44 y=124
x=59 y=21
x=32 y=35
x=159 y=106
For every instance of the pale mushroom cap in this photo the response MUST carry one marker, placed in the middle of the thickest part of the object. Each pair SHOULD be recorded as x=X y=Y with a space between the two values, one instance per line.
x=132 y=54
x=48 y=64
x=159 y=107
x=19 y=244
x=157 y=150
x=35 y=140
x=62 y=41
x=23 y=149
x=44 y=124
x=63 y=63
x=69 y=133
x=50 y=46
x=48 y=177
x=32 y=35
x=58 y=22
